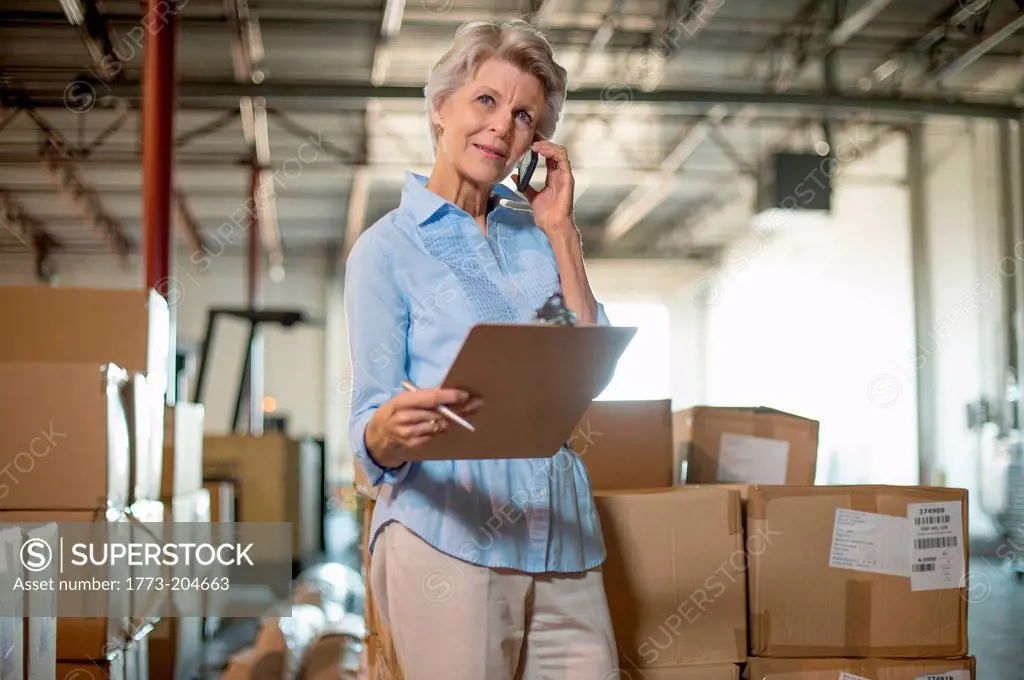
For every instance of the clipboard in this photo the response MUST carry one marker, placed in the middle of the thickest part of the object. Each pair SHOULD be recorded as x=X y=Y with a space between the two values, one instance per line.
x=537 y=381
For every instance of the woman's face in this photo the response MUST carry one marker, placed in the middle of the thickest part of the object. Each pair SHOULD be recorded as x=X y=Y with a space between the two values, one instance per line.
x=488 y=124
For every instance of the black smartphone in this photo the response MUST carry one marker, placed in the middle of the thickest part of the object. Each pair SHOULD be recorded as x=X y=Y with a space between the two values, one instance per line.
x=525 y=169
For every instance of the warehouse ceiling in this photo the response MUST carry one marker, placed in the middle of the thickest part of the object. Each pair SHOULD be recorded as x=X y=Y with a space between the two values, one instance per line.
x=675 y=103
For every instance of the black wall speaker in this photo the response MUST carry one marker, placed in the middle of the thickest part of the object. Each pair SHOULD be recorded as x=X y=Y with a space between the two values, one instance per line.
x=797 y=181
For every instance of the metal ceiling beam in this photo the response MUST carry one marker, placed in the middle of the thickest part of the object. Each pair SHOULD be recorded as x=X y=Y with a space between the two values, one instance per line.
x=545 y=14
x=601 y=37
x=247 y=54
x=198 y=95
x=30 y=232
x=59 y=160
x=390 y=26
x=7 y=116
x=977 y=50
x=592 y=176
x=838 y=37
x=646 y=197
x=92 y=25
x=955 y=14
x=257 y=134
x=855 y=22
x=675 y=26
x=228 y=117
x=188 y=225
x=246 y=41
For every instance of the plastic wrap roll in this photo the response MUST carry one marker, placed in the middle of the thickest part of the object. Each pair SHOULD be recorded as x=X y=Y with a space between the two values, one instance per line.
x=333 y=587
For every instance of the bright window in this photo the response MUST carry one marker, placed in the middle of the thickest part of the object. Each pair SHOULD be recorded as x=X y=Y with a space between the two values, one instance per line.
x=643 y=370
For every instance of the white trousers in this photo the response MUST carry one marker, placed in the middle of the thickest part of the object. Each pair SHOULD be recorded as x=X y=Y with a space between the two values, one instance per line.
x=451 y=620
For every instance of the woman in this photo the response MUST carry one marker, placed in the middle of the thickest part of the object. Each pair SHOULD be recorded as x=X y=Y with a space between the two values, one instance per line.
x=483 y=569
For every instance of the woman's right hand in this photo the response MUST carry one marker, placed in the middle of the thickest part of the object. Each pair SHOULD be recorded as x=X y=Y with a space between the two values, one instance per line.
x=409 y=419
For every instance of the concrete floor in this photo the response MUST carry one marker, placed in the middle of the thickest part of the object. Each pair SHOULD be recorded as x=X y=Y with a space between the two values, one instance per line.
x=995 y=620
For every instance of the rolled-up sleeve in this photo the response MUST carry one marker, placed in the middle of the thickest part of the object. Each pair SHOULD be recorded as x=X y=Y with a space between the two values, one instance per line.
x=377 y=318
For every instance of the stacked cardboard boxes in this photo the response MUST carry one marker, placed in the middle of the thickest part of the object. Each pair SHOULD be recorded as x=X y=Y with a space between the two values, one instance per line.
x=80 y=380
x=277 y=479
x=674 y=575
x=869 y=581
x=723 y=555
x=848 y=582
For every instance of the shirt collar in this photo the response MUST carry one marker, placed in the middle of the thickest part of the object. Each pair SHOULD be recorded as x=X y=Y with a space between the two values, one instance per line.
x=424 y=203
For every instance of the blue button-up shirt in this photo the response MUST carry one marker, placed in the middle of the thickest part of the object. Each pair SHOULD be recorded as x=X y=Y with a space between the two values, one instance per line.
x=415 y=283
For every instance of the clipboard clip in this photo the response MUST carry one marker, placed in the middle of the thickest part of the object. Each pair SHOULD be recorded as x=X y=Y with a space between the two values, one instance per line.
x=554 y=311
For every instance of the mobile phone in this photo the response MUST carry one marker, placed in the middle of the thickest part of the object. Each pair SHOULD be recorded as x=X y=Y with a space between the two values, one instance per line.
x=525 y=169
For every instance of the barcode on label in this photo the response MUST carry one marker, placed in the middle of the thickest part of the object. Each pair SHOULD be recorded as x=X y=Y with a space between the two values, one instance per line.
x=932 y=519
x=932 y=542
x=928 y=566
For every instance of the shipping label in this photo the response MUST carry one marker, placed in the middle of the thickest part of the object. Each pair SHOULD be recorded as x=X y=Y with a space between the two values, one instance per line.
x=850 y=676
x=948 y=675
x=937 y=546
x=866 y=541
x=744 y=459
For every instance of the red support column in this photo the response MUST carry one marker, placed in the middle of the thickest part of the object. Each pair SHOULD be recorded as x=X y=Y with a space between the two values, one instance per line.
x=158 y=104
x=158 y=140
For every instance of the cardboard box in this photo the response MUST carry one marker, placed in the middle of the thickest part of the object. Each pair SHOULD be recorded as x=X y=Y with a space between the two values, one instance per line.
x=278 y=480
x=12 y=605
x=745 y=445
x=675 y=575
x=106 y=669
x=175 y=648
x=626 y=444
x=64 y=431
x=714 y=672
x=876 y=669
x=145 y=408
x=130 y=328
x=183 y=449
x=858 y=571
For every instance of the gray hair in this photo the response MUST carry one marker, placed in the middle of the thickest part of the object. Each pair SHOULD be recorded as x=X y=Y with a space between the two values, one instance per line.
x=515 y=41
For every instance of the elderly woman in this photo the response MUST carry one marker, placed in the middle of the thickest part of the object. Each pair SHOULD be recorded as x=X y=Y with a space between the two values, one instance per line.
x=483 y=569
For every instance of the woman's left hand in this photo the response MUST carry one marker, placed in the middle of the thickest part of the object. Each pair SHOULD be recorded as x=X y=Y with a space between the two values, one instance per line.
x=552 y=205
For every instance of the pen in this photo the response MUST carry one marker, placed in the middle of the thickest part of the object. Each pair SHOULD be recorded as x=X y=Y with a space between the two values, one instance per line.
x=443 y=410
